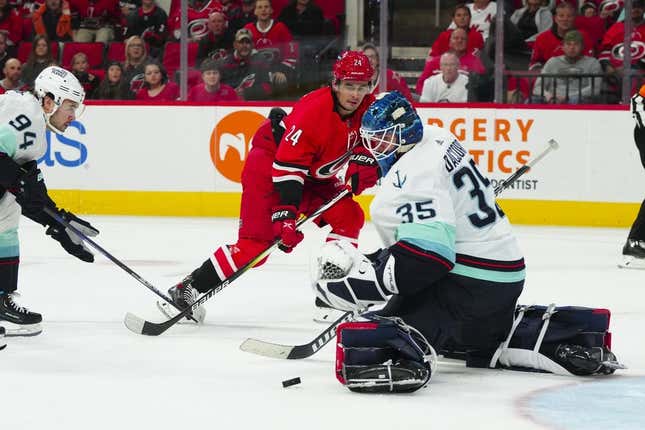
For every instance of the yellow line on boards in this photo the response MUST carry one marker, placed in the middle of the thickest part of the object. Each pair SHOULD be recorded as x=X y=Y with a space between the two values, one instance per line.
x=221 y=204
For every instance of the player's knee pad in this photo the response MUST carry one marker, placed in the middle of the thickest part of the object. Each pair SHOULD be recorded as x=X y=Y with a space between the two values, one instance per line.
x=9 y=274
x=562 y=340
x=383 y=355
x=346 y=219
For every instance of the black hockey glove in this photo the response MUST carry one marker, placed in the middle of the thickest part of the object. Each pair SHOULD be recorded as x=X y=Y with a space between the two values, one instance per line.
x=70 y=241
x=30 y=190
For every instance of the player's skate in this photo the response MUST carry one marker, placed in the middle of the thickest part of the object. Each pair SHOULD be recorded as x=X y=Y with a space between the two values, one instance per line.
x=18 y=321
x=3 y=345
x=183 y=295
x=633 y=255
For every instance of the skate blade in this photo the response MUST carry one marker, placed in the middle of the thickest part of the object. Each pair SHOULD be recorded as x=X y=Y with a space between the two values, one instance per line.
x=630 y=262
x=170 y=312
x=25 y=330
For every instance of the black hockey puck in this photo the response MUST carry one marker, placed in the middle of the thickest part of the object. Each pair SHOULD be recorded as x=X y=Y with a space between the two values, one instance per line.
x=289 y=382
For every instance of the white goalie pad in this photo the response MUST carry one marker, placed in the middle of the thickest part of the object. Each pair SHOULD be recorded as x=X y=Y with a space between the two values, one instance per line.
x=345 y=279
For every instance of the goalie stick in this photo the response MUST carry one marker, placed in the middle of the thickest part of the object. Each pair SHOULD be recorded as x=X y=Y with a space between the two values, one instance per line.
x=294 y=352
x=52 y=213
x=140 y=326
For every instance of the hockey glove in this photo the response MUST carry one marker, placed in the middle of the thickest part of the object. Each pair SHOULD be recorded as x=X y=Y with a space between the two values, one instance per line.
x=284 y=227
x=638 y=109
x=71 y=242
x=362 y=171
x=30 y=190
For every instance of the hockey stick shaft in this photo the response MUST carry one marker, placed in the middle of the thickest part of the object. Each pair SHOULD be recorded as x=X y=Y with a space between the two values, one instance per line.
x=52 y=213
x=552 y=145
x=154 y=329
x=294 y=352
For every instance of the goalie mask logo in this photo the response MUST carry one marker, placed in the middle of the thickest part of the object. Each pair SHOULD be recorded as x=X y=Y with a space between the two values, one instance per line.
x=231 y=141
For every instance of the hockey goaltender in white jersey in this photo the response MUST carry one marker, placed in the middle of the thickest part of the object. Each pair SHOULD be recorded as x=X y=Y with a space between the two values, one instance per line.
x=451 y=271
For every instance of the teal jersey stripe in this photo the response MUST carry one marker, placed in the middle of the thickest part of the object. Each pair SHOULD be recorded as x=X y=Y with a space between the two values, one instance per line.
x=8 y=143
x=9 y=243
x=488 y=275
x=437 y=237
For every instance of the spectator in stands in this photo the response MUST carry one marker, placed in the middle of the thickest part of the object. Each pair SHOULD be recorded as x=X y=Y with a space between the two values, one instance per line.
x=532 y=19
x=247 y=71
x=94 y=20
x=449 y=86
x=394 y=82
x=218 y=43
x=149 y=22
x=128 y=13
x=211 y=90
x=246 y=16
x=156 y=85
x=80 y=68
x=4 y=55
x=460 y=19
x=549 y=43
x=135 y=59
x=12 y=74
x=569 y=89
x=39 y=59
x=53 y=19
x=10 y=23
x=611 y=47
x=468 y=63
x=274 y=37
x=482 y=13
x=232 y=9
x=198 y=12
x=113 y=86
x=303 y=18
x=591 y=23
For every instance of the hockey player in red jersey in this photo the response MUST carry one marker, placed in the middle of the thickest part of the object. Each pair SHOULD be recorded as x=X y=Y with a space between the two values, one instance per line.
x=290 y=170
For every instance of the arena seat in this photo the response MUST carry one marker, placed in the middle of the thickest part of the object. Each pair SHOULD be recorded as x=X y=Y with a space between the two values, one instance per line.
x=24 y=49
x=171 y=56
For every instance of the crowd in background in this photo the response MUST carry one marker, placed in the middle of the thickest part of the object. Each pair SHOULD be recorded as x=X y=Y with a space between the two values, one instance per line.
x=570 y=50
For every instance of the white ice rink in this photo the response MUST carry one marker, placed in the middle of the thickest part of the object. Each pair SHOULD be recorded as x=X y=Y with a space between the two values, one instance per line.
x=87 y=371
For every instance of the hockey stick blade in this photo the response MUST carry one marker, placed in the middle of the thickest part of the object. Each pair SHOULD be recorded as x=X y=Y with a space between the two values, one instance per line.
x=148 y=328
x=294 y=352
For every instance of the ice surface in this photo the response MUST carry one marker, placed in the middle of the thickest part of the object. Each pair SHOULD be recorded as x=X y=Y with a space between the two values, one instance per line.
x=87 y=371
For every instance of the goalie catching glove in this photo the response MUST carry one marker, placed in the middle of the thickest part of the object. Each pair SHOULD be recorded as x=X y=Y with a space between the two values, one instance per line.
x=346 y=279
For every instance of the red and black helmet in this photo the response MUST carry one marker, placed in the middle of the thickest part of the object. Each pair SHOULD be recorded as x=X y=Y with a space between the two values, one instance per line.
x=353 y=66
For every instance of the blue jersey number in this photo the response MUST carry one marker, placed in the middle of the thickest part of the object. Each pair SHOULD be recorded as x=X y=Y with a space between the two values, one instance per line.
x=420 y=210
x=477 y=180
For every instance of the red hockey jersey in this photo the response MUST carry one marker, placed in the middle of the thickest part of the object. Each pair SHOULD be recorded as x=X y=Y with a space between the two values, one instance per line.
x=611 y=47
x=197 y=20
x=317 y=142
x=276 y=36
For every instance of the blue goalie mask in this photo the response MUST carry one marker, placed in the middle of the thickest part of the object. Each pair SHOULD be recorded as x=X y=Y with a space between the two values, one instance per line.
x=390 y=126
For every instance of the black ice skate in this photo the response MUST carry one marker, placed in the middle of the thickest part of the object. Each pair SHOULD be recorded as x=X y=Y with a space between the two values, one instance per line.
x=183 y=295
x=633 y=254
x=18 y=321
x=3 y=345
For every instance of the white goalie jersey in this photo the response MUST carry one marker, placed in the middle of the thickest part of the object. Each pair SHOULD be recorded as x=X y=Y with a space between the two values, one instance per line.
x=435 y=198
x=22 y=127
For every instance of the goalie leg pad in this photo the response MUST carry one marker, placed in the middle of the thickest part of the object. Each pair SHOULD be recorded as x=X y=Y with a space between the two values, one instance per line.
x=382 y=355
x=562 y=340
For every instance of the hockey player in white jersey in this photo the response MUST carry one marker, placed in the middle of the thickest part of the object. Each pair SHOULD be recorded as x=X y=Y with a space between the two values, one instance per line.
x=451 y=263
x=451 y=268
x=24 y=118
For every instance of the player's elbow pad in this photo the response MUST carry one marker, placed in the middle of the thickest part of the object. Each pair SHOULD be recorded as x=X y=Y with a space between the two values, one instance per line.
x=410 y=269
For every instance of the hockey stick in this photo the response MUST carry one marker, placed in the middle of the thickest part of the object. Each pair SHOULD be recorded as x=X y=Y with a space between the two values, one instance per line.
x=553 y=145
x=140 y=326
x=276 y=350
x=52 y=213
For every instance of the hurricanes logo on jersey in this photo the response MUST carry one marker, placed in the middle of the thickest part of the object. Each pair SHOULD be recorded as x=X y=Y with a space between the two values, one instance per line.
x=637 y=49
x=231 y=141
